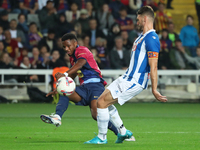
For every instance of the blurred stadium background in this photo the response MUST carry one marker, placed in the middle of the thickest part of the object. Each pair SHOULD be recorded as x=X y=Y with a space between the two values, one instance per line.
x=30 y=33
x=31 y=52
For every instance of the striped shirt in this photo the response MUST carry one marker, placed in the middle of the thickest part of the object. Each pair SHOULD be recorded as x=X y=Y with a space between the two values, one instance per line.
x=161 y=21
x=145 y=47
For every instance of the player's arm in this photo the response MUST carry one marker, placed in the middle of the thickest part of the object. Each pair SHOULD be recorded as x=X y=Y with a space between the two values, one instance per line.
x=72 y=72
x=153 y=73
x=153 y=61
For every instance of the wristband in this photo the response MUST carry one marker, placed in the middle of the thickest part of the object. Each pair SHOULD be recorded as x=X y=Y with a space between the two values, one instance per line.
x=66 y=74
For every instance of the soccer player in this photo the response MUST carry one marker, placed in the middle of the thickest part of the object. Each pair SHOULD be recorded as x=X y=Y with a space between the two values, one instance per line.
x=144 y=59
x=92 y=83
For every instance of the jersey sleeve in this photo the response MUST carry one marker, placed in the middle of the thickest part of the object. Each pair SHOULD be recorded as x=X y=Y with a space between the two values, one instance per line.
x=152 y=46
x=81 y=54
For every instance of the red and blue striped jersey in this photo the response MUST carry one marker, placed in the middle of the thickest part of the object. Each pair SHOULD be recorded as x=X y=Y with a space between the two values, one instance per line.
x=90 y=72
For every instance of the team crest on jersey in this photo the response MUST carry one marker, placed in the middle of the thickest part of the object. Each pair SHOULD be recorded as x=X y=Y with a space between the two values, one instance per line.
x=134 y=47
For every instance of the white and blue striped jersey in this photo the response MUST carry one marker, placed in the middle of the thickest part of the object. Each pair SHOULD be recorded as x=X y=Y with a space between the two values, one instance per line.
x=139 y=69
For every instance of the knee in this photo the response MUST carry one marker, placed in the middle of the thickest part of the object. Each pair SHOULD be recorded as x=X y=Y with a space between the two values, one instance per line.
x=101 y=103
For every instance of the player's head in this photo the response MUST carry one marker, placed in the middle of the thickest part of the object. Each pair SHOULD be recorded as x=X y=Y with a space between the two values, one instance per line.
x=69 y=42
x=145 y=15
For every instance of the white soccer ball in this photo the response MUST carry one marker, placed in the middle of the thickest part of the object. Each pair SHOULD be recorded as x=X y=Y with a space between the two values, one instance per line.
x=65 y=86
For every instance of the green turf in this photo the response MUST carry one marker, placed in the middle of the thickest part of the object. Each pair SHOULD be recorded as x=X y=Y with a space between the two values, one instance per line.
x=154 y=125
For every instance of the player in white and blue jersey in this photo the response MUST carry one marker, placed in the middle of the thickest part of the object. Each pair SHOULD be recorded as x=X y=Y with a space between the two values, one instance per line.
x=143 y=65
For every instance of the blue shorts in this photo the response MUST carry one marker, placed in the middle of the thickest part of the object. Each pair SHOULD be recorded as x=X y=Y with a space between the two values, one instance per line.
x=89 y=92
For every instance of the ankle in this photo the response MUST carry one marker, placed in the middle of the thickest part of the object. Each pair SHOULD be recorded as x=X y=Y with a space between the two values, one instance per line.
x=56 y=115
x=122 y=130
x=102 y=136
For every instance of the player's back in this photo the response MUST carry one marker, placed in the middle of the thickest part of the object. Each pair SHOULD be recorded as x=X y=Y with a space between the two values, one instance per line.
x=90 y=72
x=145 y=46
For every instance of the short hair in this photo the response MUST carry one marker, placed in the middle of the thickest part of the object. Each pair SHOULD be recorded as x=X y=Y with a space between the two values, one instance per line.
x=170 y=23
x=51 y=31
x=21 y=15
x=146 y=10
x=25 y=57
x=32 y=23
x=123 y=8
x=74 y=3
x=13 y=20
x=118 y=37
x=69 y=36
x=92 y=18
x=161 y=3
x=190 y=16
x=164 y=30
x=177 y=40
x=49 y=1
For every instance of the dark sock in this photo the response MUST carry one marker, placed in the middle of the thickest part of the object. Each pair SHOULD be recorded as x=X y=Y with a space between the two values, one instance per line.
x=62 y=105
x=112 y=127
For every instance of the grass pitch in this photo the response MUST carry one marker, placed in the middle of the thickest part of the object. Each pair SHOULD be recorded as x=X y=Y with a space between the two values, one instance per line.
x=154 y=125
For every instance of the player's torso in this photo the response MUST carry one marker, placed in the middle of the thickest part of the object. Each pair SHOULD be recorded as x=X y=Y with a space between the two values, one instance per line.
x=139 y=68
x=90 y=71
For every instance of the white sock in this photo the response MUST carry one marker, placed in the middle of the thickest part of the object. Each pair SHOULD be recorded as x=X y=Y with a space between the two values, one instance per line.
x=102 y=121
x=116 y=120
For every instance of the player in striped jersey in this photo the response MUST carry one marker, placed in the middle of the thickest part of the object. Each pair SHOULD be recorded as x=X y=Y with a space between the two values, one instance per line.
x=143 y=64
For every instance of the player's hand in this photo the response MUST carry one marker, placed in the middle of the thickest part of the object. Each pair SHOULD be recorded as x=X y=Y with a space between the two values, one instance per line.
x=59 y=75
x=159 y=97
x=53 y=93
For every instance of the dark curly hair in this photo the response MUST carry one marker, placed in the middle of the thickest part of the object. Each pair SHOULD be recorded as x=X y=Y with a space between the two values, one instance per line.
x=69 y=36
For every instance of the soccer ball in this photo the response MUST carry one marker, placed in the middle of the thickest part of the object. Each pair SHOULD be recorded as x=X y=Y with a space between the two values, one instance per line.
x=65 y=86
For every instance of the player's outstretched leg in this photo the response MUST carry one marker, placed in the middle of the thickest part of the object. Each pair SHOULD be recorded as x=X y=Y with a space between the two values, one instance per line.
x=61 y=107
x=116 y=120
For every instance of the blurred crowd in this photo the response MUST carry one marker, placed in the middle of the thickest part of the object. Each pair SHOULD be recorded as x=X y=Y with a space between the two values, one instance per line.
x=106 y=27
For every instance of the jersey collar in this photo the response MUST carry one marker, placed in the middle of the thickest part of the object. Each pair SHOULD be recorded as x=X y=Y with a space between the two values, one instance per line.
x=75 y=50
x=152 y=30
